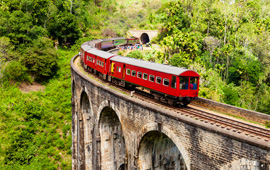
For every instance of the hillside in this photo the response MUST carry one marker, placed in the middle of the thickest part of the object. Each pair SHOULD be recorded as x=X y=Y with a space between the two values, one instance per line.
x=35 y=128
x=226 y=43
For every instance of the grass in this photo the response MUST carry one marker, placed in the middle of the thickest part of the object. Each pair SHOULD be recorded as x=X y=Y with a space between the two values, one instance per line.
x=34 y=125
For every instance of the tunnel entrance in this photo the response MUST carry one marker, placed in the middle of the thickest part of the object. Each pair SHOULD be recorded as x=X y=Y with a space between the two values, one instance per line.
x=144 y=38
x=112 y=142
x=157 y=151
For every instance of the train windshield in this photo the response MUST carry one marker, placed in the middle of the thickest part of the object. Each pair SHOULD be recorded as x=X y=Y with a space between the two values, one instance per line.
x=188 y=83
x=193 y=83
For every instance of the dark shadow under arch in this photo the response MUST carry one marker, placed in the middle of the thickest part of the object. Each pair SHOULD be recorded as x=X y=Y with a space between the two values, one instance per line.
x=157 y=151
x=73 y=90
x=144 y=38
x=122 y=167
x=113 y=150
x=83 y=121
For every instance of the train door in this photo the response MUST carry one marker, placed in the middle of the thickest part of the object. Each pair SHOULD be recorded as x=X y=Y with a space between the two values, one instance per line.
x=112 y=68
x=124 y=72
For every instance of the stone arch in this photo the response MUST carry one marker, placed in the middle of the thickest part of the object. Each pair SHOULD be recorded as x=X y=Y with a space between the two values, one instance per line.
x=113 y=150
x=84 y=132
x=74 y=124
x=122 y=167
x=144 y=38
x=165 y=133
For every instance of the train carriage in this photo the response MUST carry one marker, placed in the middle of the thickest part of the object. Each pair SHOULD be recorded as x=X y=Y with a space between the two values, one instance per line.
x=96 y=43
x=132 y=41
x=107 y=43
x=83 y=53
x=98 y=61
x=173 y=82
x=119 y=41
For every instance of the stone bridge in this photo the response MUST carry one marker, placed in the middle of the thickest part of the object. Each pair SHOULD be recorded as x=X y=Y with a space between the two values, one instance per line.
x=113 y=131
x=145 y=36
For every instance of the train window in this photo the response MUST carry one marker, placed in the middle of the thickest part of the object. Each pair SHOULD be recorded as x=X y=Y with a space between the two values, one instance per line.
x=93 y=60
x=128 y=72
x=151 y=78
x=133 y=73
x=145 y=76
x=119 y=69
x=166 y=82
x=193 y=83
x=183 y=83
x=102 y=64
x=173 y=82
x=139 y=74
x=158 y=80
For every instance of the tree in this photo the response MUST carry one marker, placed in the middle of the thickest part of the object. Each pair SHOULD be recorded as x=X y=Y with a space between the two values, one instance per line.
x=65 y=28
x=6 y=50
x=40 y=59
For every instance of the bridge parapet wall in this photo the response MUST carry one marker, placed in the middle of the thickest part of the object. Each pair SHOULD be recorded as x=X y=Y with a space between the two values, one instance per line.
x=202 y=145
x=232 y=110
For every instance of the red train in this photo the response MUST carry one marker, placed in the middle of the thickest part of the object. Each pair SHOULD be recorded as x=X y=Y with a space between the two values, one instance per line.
x=109 y=43
x=167 y=83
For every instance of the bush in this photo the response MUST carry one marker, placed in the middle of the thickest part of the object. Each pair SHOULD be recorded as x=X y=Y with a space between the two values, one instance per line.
x=231 y=95
x=180 y=60
x=15 y=71
x=135 y=54
x=41 y=58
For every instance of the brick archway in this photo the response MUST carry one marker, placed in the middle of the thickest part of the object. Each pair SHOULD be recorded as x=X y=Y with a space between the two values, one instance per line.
x=144 y=38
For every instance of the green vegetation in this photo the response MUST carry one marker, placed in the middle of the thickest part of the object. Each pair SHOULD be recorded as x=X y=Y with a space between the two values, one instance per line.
x=226 y=43
x=36 y=126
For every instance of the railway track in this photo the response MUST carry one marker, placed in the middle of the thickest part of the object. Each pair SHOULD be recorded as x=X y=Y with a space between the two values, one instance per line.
x=235 y=126
x=213 y=119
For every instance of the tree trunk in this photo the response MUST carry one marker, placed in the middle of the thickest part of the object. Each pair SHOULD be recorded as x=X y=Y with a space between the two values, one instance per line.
x=71 y=6
x=225 y=31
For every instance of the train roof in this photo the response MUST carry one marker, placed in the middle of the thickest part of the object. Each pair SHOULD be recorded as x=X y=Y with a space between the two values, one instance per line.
x=86 y=47
x=110 y=39
x=150 y=65
x=94 y=42
x=100 y=53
